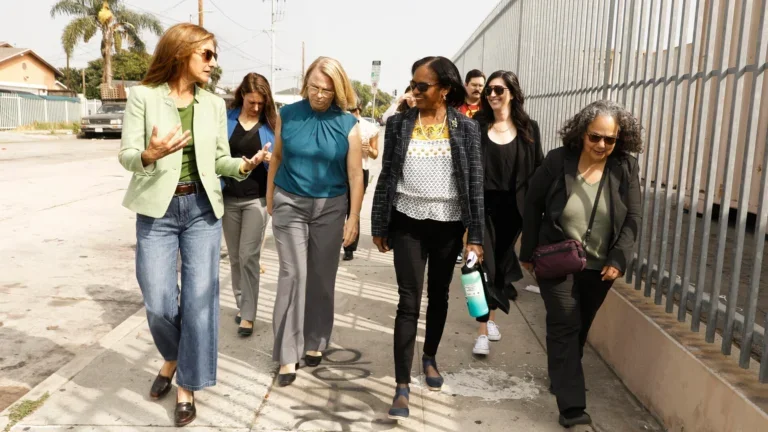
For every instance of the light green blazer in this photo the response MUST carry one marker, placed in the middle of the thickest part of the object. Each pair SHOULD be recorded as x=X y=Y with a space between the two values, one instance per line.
x=152 y=187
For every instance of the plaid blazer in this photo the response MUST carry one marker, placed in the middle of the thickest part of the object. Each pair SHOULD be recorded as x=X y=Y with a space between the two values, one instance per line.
x=467 y=167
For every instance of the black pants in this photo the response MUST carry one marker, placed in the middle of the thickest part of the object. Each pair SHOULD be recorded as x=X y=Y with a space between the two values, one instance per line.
x=353 y=246
x=571 y=305
x=414 y=244
x=502 y=228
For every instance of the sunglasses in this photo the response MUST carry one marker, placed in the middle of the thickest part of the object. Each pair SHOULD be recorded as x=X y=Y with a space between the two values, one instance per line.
x=497 y=90
x=207 y=55
x=422 y=87
x=595 y=138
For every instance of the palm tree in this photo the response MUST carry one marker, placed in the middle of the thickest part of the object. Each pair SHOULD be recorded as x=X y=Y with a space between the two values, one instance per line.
x=118 y=25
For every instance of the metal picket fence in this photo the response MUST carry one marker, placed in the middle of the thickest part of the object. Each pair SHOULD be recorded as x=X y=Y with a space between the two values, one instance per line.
x=17 y=111
x=694 y=73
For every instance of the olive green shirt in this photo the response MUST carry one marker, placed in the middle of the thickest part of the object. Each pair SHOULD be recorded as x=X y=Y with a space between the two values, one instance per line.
x=575 y=220
x=188 y=163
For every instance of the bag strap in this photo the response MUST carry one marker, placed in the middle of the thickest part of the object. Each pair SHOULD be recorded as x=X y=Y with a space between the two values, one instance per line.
x=594 y=207
x=253 y=131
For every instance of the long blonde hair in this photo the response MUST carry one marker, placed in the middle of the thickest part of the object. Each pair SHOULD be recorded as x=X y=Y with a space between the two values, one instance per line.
x=344 y=95
x=173 y=51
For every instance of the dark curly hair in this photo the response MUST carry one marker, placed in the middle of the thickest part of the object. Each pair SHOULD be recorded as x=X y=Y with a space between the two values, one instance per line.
x=519 y=117
x=630 y=131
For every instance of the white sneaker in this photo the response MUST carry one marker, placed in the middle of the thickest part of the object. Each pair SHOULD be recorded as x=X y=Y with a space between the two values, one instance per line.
x=482 y=346
x=493 y=332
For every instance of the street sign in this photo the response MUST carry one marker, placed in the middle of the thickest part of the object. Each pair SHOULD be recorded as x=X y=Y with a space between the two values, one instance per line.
x=375 y=73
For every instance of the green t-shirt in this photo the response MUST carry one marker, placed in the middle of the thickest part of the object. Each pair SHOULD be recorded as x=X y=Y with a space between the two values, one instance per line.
x=188 y=163
x=575 y=220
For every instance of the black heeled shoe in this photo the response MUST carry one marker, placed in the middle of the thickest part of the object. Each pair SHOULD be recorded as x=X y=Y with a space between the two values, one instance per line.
x=312 y=361
x=161 y=386
x=185 y=412
x=284 y=380
x=434 y=383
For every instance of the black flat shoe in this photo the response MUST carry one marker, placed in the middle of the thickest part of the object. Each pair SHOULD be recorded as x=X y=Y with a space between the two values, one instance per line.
x=348 y=256
x=244 y=331
x=284 y=380
x=161 y=386
x=580 y=419
x=511 y=292
x=312 y=361
x=185 y=413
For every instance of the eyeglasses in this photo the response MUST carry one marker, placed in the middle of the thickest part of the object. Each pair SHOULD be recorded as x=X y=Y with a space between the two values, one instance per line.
x=320 y=92
x=497 y=90
x=207 y=55
x=421 y=86
x=595 y=138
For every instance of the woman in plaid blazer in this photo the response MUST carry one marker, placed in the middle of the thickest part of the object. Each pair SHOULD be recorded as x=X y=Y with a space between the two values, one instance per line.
x=429 y=192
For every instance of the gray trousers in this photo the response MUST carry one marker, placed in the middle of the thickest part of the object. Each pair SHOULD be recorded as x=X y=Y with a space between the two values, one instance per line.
x=245 y=222
x=308 y=236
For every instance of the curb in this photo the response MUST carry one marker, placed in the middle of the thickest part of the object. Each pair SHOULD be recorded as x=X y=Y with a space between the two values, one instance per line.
x=64 y=374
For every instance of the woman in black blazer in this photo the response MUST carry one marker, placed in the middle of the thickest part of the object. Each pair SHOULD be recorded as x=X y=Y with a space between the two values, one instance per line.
x=430 y=190
x=597 y=142
x=512 y=151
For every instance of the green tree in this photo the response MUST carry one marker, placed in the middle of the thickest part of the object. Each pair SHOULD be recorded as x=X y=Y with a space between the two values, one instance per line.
x=73 y=79
x=215 y=78
x=117 y=24
x=128 y=65
x=365 y=93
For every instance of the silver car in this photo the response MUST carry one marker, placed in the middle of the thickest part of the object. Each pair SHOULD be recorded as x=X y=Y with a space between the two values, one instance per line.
x=108 y=120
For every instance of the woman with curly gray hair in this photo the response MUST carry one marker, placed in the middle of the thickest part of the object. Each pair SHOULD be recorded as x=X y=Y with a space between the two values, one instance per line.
x=587 y=191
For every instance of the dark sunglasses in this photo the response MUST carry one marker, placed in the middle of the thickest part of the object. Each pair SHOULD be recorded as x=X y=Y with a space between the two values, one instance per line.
x=421 y=86
x=208 y=55
x=497 y=90
x=595 y=138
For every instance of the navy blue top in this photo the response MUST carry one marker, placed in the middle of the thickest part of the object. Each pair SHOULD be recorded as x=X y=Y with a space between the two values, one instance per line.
x=315 y=146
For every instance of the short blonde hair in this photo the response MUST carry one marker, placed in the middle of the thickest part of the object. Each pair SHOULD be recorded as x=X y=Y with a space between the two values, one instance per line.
x=173 y=51
x=344 y=95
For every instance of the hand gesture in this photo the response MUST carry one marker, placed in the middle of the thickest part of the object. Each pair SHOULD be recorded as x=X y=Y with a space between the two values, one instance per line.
x=610 y=273
x=350 y=230
x=248 y=165
x=381 y=243
x=161 y=147
x=477 y=249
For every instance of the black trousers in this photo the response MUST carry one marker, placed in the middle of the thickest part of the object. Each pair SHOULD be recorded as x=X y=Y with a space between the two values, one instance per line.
x=416 y=243
x=571 y=304
x=502 y=228
x=353 y=246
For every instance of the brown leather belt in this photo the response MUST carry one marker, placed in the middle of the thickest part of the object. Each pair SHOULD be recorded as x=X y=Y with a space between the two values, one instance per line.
x=185 y=189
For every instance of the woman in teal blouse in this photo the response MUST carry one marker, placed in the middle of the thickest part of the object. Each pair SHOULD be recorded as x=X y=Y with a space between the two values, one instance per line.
x=317 y=156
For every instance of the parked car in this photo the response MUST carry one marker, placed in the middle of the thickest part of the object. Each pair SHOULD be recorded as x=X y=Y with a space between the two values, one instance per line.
x=108 y=120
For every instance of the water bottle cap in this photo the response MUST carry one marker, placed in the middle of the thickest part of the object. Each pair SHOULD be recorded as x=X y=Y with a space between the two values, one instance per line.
x=471 y=260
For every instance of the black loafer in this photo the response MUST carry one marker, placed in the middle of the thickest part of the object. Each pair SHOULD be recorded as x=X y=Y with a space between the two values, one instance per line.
x=581 y=419
x=185 y=413
x=161 y=386
x=312 y=361
x=348 y=256
x=511 y=292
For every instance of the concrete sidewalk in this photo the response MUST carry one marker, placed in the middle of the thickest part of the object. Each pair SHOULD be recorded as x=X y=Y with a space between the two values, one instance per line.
x=106 y=389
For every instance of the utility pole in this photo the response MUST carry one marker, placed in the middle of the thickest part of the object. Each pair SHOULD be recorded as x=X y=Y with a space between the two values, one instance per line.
x=83 y=71
x=200 y=13
x=273 y=36
x=302 y=60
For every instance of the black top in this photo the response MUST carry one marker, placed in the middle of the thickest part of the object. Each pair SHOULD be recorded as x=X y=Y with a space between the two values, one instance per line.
x=255 y=186
x=500 y=164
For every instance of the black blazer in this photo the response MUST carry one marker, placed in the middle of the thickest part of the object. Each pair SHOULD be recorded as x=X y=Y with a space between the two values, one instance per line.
x=529 y=159
x=548 y=193
x=467 y=167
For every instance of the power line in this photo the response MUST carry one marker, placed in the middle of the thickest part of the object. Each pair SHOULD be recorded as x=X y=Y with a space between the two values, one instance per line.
x=174 y=6
x=229 y=18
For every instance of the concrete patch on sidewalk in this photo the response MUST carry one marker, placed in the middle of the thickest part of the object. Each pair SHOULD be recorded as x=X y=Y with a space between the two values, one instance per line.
x=490 y=385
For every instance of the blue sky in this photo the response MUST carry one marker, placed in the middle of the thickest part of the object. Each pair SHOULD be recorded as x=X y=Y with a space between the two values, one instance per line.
x=356 y=32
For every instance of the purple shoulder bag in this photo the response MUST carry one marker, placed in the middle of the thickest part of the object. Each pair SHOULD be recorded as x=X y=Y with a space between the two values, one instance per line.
x=557 y=260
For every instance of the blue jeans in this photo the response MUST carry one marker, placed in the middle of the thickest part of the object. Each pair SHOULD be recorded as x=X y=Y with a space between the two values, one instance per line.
x=184 y=322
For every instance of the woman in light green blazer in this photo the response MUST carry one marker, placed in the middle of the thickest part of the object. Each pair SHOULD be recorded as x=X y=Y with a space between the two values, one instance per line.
x=176 y=145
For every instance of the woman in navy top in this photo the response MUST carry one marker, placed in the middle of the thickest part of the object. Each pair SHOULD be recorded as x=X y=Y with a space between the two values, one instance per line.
x=318 y=152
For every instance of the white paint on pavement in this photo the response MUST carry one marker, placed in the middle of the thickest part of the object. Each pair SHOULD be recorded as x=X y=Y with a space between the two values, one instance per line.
x=490 y=384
